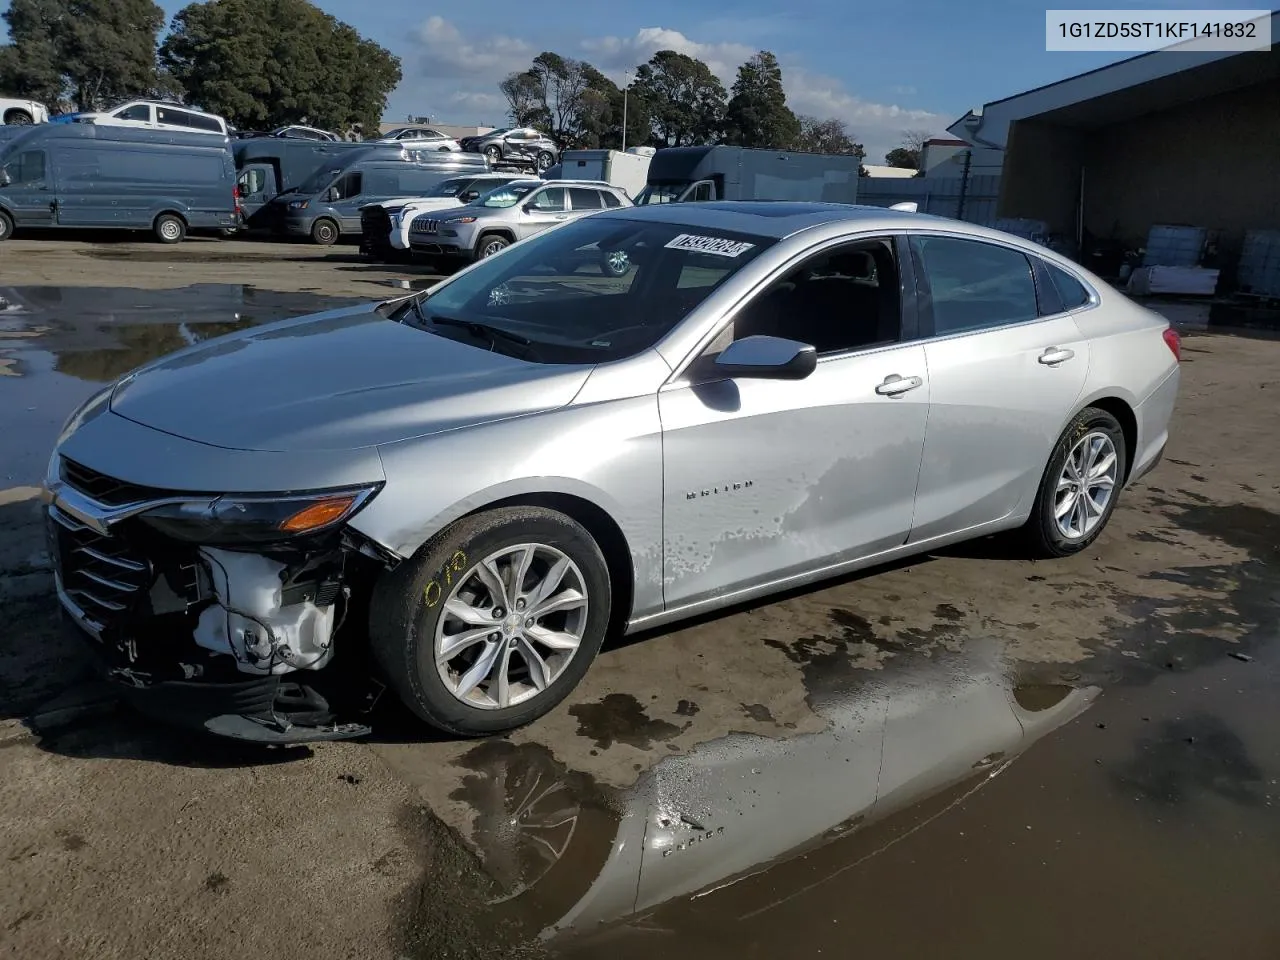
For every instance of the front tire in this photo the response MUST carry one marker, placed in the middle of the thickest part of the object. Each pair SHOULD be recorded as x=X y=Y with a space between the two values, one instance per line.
x=6 y=226
x=324 y=232
x=544 y=161
x=1080 y=486
x=18 y=118
x=495 y=620
x=490 y=245
x=494 y=154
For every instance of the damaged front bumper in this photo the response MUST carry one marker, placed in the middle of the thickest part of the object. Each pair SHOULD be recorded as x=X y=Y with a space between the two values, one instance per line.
x=233 y=641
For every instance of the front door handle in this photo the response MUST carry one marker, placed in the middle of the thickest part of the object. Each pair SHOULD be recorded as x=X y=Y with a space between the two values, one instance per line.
x=896 y=386
x=1055 y=355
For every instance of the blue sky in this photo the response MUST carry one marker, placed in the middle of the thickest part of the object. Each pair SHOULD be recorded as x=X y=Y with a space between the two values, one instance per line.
x=881 y=67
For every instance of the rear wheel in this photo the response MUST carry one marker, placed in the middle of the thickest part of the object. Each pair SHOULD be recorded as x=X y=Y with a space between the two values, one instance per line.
x=493 y=153
x=6 y=226
x=324 y=232
x=545 y=160
x=495 y=621
x=1080 y=485
x=170 y=228
x=18 y=118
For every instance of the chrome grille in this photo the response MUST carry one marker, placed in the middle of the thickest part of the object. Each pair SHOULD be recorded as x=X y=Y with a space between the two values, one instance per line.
x=100 y=488
x=101 y=574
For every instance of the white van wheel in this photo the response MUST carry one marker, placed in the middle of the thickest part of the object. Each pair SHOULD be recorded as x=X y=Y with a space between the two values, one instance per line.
x=170 y=228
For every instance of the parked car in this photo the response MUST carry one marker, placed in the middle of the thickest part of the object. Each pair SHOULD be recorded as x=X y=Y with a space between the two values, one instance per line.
x=157 y=115
x=518 y=146
x=86 y=176
x=20 y=112
x=486 y=477
x=423 y=137
x=327 y=205
x=297 y=132
x=510 y=213
x=384 y=227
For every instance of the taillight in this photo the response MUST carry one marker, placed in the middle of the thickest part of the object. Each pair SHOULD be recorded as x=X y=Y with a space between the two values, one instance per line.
x=1173 y=342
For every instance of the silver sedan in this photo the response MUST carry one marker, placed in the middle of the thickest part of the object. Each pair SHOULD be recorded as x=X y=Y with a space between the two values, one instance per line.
x=630 y=419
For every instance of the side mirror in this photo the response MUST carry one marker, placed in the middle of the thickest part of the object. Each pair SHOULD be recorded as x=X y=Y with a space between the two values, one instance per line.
x=469 y=196
x=767 y=358
x=4 y=177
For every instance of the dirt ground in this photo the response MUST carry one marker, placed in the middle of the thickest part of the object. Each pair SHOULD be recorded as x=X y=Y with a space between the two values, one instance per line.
x=119 y=839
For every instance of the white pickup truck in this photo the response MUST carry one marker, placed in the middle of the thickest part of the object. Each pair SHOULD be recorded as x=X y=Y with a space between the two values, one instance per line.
x=20 y=112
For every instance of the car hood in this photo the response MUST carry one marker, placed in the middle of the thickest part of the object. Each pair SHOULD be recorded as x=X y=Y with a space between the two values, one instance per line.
x=338 y=380
x=423 y=204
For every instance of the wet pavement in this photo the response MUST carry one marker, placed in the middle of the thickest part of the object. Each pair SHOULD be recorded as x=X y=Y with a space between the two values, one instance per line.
x=965 y=755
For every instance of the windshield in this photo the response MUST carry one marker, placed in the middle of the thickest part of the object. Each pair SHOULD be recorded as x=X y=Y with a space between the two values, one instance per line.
x=448 y=188
x=318 y=181
x=505 y=196
x=661 y=193
x=594 y=290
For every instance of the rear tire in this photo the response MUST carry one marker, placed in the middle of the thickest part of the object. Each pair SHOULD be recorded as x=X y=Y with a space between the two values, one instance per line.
x=544 y=161
x=6 y=226
x=1080 y=486
x=18 y=118
x=444 y=592
x=324 y=232
x=170 y=228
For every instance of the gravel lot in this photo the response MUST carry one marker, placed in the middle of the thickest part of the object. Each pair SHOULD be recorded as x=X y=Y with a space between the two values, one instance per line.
x=119 y=839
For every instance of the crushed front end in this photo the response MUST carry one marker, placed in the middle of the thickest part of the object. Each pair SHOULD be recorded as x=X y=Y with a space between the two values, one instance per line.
x=217 y=611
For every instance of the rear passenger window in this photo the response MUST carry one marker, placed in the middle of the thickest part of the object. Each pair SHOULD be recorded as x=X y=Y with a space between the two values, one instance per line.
x=974 y=285
x=584 y=199
x=1074 y=294
x=610 y=200
x=550 y=199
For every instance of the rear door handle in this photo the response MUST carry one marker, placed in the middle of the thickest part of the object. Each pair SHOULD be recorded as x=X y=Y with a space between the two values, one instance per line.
x=1055 y=355
x=896 y=386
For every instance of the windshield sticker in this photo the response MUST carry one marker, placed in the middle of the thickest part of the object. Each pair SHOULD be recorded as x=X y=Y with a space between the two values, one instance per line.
x=716 y=246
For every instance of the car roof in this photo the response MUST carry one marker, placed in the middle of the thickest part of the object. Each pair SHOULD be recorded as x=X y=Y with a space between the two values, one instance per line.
x=782 y=218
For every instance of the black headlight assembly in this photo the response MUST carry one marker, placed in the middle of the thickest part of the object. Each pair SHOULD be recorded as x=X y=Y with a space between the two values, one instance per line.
x=242 y=519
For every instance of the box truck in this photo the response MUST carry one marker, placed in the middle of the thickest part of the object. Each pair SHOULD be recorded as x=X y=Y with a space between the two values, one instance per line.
x=737 y=173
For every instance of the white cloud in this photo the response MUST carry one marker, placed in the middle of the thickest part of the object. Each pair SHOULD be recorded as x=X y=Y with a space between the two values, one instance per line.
x=613 y=55
x=877 y=126
x=458 y=78
x=446 y=53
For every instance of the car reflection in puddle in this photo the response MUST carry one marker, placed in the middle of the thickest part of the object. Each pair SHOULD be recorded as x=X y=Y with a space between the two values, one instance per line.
x=566 y=855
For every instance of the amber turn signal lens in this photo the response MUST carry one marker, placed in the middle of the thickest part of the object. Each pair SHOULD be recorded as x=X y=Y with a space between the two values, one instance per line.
x=318 y=514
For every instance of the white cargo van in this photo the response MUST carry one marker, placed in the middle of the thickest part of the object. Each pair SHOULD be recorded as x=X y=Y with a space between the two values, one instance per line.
x=629 y=171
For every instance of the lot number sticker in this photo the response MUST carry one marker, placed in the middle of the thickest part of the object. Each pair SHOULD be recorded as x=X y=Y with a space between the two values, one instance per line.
x=716 y=246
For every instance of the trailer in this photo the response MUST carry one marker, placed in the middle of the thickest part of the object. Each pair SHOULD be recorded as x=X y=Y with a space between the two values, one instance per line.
x=679 y=174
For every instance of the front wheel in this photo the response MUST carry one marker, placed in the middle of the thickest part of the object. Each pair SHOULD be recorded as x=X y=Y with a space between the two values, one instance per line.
x=494 y=622
x=545 y=160
x=324 y=232
x=1078 y=491
x=493 y=153
x=490 y=245
x=18 y=118
x=6 y=226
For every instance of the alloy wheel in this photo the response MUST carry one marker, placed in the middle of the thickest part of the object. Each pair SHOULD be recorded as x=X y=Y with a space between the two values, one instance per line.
x=1086 y=485
x=510 y=626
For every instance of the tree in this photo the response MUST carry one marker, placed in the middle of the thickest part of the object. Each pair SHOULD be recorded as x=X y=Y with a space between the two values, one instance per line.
x=683 y=100
x=268 y=63
x=915 y=139
x=758 y=115
x=903 y=157
x=826 y=136
x=524 y=104
x=92 y=52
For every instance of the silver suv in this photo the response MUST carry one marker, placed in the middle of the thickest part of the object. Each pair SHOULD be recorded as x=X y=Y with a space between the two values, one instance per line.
x=499 y=218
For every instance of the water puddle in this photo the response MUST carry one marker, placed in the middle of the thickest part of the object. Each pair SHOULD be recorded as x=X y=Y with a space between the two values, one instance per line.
x=58 y=345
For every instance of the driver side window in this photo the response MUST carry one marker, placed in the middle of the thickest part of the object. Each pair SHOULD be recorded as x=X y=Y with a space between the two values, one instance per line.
x=845 y=298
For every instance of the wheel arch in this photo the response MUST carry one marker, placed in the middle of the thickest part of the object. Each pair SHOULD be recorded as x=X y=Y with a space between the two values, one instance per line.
x=1124 y=410
x=579 y=501
x=505 y=232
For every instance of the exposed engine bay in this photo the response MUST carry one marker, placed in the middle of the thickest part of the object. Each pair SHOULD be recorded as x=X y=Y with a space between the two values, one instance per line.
x=235 y=640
